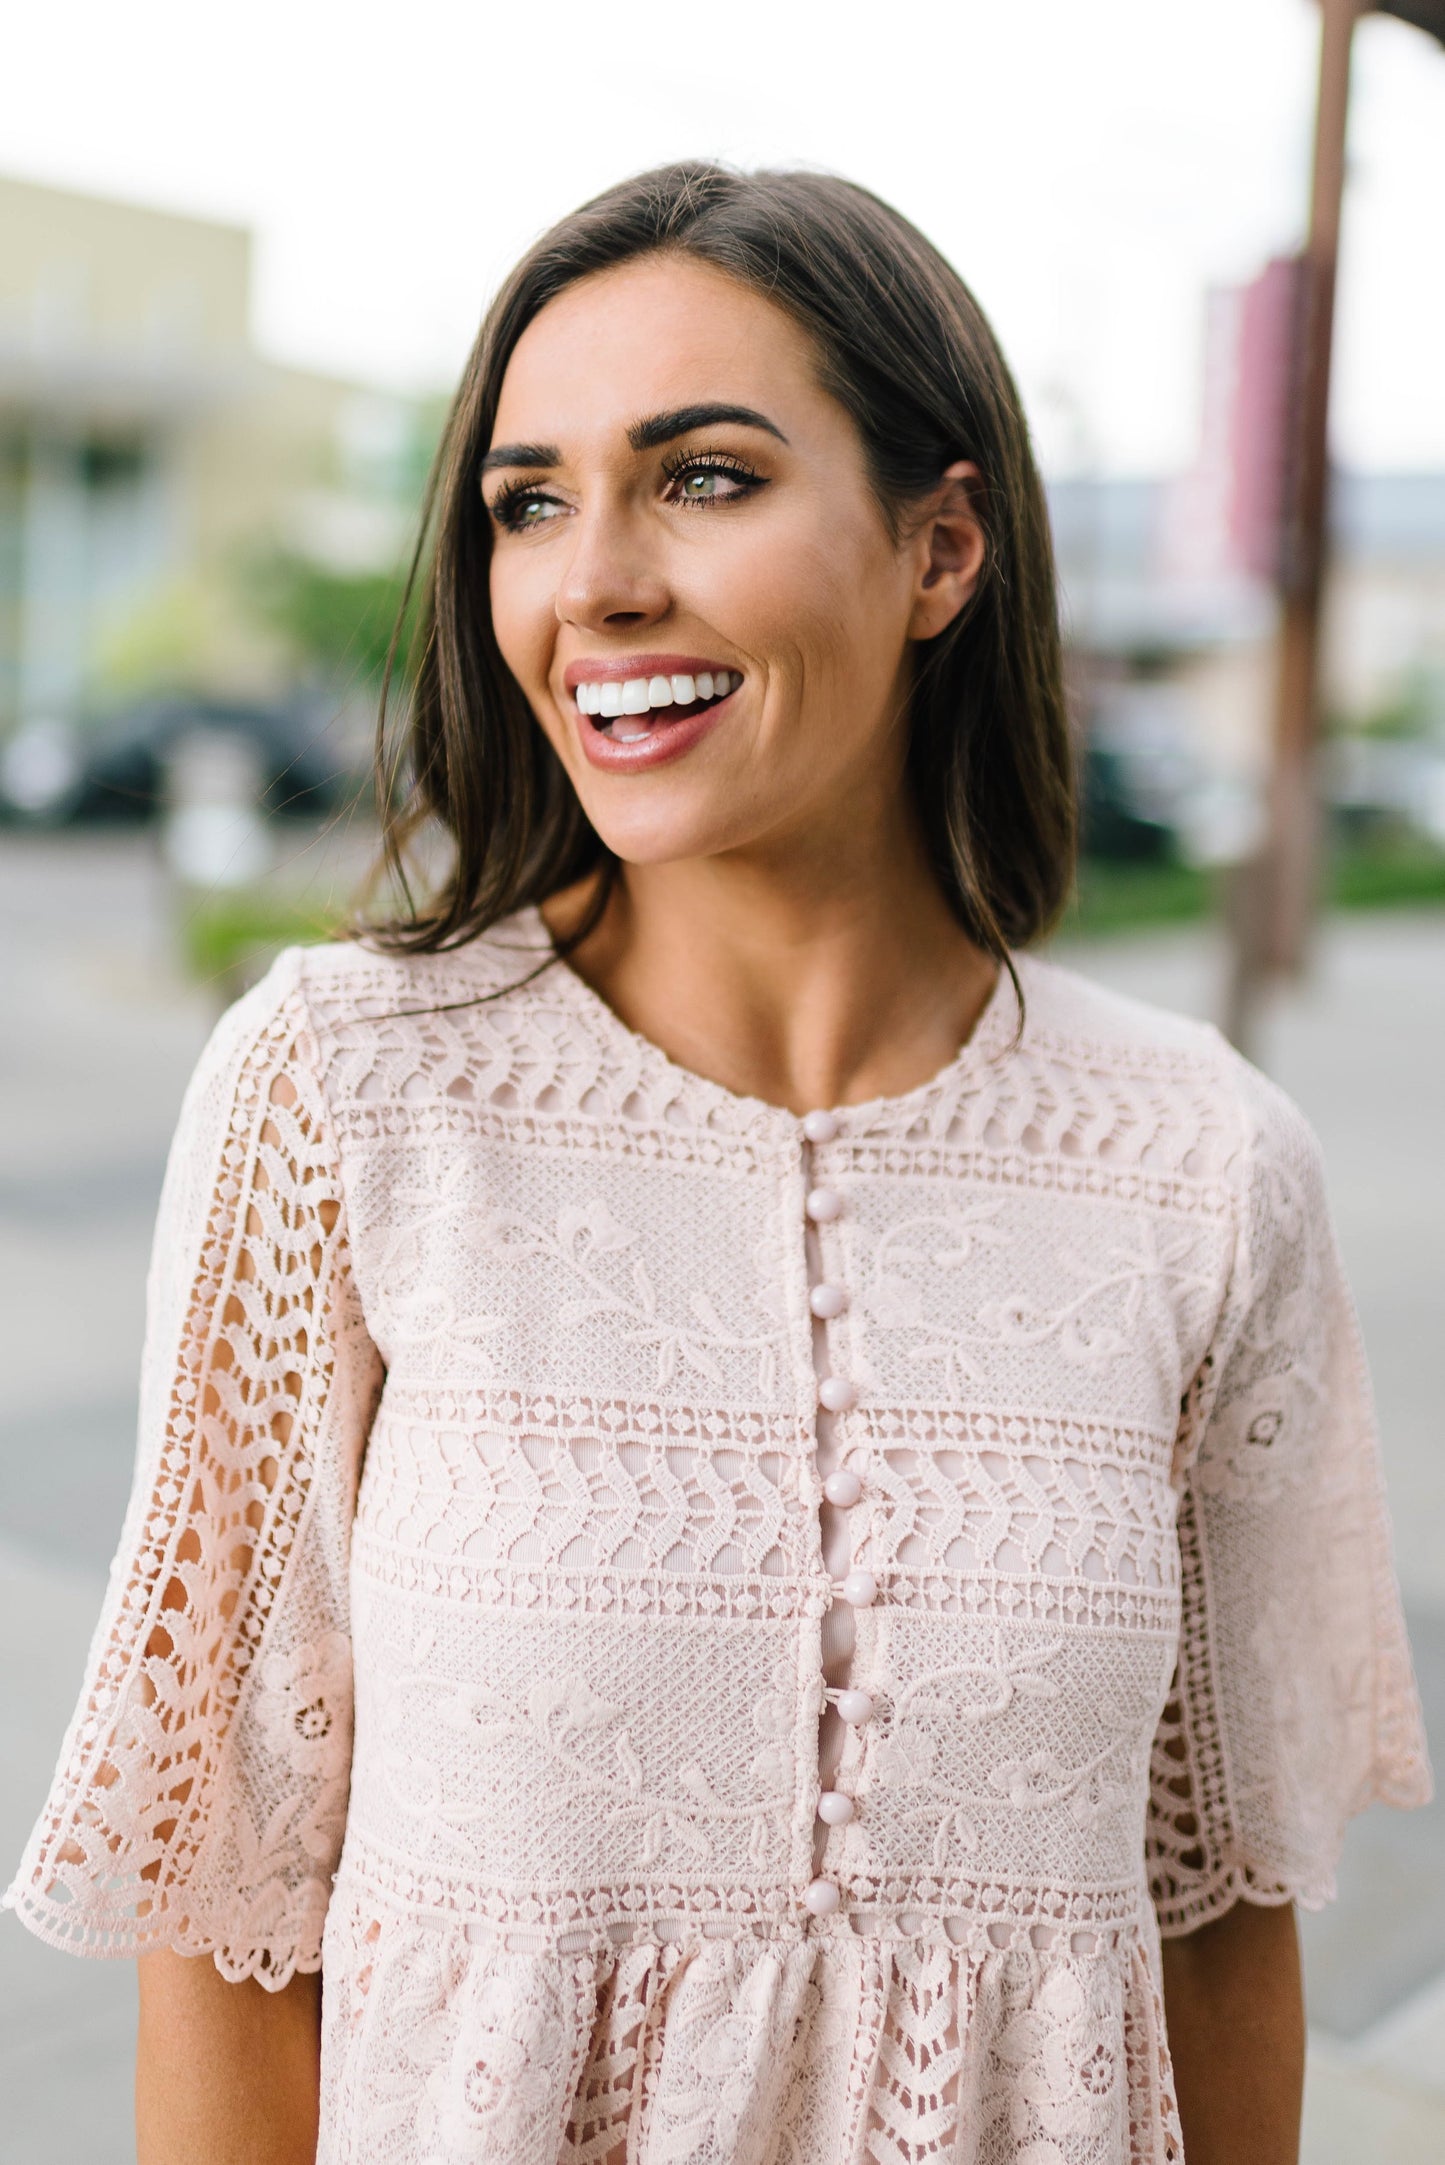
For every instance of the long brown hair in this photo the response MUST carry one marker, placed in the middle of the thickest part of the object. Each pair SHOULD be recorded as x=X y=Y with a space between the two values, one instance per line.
x=905 y=348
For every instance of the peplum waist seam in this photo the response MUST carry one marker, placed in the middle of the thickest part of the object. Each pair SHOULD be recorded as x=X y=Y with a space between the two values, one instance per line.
x=979 y=1918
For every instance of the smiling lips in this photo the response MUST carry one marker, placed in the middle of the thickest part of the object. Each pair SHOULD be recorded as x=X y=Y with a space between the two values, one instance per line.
x=618 y=705
x=634 y=721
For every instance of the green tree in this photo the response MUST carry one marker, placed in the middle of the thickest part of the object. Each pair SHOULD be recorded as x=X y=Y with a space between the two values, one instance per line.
x=338 y=624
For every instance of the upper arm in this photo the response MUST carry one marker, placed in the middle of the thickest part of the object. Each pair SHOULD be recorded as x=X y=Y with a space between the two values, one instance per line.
x=228 y=2072
x=1234 y=2005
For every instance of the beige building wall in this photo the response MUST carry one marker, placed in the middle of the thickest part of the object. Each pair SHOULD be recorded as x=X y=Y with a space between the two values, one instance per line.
x=145 y=451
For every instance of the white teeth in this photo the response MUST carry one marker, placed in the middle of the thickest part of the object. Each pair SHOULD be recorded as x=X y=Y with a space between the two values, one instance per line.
x=630 y=736
x=642 y=695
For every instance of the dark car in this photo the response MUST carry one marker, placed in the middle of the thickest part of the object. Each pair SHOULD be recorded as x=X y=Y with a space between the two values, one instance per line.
x=1117 y=818
x=116 y=770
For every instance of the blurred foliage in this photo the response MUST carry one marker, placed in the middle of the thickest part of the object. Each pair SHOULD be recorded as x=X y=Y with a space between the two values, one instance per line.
x=1382 y=874
x=1369 y=872
x=228 y=939
x=1116 y=895
x=160 y=643
x=336 y=619
x=338 y=624
x=1415 y=712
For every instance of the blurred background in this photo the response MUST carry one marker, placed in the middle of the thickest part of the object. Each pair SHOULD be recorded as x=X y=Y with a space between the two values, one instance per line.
x=241 y=261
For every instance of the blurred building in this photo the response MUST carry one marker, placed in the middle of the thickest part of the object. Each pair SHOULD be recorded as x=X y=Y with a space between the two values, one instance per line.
x=1174 y=658
x=1126 y=590
x=147 y=451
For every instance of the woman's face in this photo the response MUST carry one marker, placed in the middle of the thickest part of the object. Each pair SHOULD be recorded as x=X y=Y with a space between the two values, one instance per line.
x=684 y=530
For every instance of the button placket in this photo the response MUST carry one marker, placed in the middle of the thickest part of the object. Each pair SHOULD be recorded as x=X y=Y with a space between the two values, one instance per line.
x=853 y=1588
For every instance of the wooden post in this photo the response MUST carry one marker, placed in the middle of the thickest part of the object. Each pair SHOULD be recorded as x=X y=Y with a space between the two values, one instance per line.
x=1271 y=902
x=1293 y=809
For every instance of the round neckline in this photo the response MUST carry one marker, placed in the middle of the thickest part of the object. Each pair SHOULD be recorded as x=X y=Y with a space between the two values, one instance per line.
x=992 y=1035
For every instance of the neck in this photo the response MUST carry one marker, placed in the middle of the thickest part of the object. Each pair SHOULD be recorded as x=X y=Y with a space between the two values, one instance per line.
x=812 y=977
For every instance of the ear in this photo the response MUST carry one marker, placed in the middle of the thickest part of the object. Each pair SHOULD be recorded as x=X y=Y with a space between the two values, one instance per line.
x=950 y=547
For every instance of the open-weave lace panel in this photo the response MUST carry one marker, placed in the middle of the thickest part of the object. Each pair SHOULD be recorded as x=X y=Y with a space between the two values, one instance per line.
x=1293 y=1705
x=739 y=2052
x=202 y=1791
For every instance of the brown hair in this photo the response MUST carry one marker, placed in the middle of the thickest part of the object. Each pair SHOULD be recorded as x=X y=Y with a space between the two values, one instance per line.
x=905 y=348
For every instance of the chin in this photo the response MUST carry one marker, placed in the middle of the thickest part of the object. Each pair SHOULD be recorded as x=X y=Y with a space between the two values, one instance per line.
x=660 y=842
x=665 y=819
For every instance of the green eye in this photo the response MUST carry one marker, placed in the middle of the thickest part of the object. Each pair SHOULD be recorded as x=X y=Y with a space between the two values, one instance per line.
x=719 y=479
x=516 y=509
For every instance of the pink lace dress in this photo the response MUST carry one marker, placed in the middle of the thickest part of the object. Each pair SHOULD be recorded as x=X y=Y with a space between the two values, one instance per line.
x=554 y=1470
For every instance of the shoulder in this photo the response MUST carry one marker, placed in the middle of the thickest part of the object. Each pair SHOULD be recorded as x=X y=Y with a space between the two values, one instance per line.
x=1174 y=1071
x=342 y=1021
x=378 y=1024
x=1078 y=1020
x=338 y=987
x=347 y=982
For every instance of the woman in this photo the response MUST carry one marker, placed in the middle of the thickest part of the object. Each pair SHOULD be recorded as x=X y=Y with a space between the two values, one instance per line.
x=778 y=1406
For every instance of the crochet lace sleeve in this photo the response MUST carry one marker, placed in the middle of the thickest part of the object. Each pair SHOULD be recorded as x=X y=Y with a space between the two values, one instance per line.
x=1294 y=1705
x=201 y=1793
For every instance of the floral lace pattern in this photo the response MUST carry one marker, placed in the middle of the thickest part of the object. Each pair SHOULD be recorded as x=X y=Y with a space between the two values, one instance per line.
x=468 y=1635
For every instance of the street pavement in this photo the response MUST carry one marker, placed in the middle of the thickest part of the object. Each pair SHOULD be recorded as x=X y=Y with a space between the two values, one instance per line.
x=100 y=1034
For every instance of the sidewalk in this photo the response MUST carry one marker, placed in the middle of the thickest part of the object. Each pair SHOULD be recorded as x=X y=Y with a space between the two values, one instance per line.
x=99 y=1044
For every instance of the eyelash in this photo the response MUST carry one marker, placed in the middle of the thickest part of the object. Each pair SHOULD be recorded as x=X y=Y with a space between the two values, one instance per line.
x=507 y=503
x=712 y=462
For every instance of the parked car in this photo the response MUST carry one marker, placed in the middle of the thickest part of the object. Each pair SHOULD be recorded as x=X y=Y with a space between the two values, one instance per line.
x=54 y=774
x=1111 y=822
x=1139 y=771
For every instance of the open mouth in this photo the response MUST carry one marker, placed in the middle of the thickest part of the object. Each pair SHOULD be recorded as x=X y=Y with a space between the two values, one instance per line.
x=631 y=710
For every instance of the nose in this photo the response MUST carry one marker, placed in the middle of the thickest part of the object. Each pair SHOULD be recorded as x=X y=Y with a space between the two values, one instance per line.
x=610 y=581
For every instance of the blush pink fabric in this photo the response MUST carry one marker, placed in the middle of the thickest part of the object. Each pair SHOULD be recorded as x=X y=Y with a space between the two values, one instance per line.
x=467 y=1632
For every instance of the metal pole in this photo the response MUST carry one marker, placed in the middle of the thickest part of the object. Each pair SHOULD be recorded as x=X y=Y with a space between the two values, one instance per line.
x=1293 y=808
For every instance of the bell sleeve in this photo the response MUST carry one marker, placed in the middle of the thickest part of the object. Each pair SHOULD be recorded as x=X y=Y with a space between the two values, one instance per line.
x=1294 y=1704
x=201 y=1794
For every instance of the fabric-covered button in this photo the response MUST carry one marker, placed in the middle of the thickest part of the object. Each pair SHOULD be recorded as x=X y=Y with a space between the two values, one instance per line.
x=820 y=1127
x=827 y=1301
x=824 y=1205
x=855 y=1707
x=835 y=1395
x=859 y=1589
x=834 y=1809
x=843 y=1488
x=821 y=1896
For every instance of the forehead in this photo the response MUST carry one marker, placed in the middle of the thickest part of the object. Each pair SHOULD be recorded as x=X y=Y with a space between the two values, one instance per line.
x=647 y=337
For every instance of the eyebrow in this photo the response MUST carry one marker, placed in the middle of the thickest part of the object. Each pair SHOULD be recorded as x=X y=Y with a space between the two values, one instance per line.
x=664 y=428
x=658 y=428
x=520 y=455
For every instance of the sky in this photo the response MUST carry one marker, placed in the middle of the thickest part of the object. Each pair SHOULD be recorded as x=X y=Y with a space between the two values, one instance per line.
x=1091 y=170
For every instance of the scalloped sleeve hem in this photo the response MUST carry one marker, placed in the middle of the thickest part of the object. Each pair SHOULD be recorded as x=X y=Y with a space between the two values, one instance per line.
x=292 y=1950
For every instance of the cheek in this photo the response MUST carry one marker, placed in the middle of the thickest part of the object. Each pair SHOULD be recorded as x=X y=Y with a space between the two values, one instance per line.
x=523 y=618
x=827 y=611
